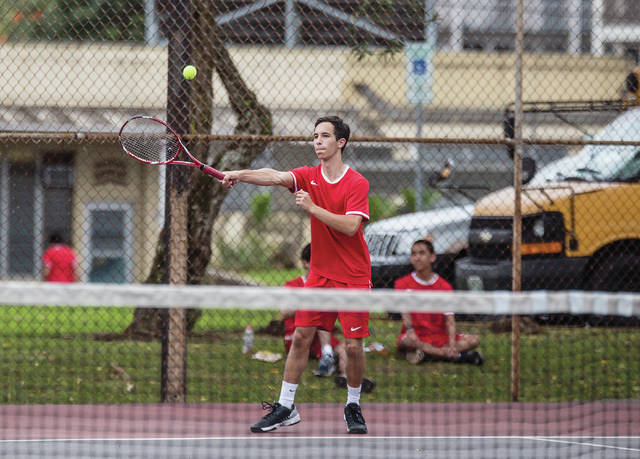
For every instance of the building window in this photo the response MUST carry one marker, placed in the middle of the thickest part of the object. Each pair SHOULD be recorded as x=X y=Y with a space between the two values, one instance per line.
x=31 y=208
x=22 y=218
x=108 y=243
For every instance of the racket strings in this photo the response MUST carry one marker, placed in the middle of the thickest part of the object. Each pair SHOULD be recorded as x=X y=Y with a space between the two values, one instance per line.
x=140 y=141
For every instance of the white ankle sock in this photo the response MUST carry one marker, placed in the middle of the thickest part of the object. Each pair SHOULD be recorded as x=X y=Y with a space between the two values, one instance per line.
x=287 y=394
x=327 y=350
x=353 y=394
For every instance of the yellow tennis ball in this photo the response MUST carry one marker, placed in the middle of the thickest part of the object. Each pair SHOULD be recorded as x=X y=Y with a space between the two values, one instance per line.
x=189 y=72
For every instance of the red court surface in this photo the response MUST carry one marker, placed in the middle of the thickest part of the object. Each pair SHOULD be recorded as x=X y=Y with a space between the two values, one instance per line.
x=39 y=422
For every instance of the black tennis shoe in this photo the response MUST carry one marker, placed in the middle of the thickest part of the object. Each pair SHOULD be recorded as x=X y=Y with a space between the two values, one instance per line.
x=472 y=357
x=279 y=416
x=354 y=419
x=340 y=381
x=367 y=384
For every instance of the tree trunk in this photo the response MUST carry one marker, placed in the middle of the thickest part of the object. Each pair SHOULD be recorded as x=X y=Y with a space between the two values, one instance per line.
x=205 y=194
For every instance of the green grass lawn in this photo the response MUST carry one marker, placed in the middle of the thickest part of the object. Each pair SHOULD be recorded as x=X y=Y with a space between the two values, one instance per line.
x=49 y=355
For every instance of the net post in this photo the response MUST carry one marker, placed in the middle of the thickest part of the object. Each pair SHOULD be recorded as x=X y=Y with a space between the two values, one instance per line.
x=517 y=214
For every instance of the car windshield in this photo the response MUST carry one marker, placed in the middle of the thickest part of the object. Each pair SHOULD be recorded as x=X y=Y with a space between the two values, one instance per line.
x=598 y=163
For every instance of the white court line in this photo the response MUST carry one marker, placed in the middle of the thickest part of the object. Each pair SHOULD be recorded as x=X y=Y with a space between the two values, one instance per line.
x=599 y=445
x=260 y=437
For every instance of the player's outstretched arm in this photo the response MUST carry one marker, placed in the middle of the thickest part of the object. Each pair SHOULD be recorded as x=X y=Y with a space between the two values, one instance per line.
x=261 y=177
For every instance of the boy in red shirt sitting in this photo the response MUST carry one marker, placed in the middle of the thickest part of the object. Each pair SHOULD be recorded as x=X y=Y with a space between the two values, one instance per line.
x=324 y=343
x=431 y=334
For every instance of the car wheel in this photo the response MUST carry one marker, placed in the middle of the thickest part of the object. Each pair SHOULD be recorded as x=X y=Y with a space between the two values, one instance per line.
x=619 y=273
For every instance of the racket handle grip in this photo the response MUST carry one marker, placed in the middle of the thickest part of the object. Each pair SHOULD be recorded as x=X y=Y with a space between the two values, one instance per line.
x=211 y=171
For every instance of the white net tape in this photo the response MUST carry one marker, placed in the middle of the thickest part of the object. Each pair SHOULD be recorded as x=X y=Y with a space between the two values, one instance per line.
x=232 y=297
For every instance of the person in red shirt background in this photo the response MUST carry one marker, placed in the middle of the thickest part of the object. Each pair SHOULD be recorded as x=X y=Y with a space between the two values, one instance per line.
x=324 y=343
x=337 y=200
x=431 y=334
x=325 y=347
x=59 y=261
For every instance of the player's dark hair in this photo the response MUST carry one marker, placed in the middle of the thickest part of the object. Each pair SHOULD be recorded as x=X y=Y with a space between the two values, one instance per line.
x=55 y=238
x=306 y=253
x=340 y=128
x=428 y=244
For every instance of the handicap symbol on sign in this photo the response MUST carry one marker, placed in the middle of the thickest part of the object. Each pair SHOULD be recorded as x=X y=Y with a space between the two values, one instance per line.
x=419 y=67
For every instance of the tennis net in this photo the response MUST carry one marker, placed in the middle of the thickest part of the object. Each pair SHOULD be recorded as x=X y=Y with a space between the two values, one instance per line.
x=99 y=370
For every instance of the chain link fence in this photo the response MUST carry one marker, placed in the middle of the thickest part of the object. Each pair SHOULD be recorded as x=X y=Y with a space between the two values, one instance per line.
x=427 y=88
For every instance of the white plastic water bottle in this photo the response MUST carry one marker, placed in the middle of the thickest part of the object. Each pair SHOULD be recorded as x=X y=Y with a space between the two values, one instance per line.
x=247 y=341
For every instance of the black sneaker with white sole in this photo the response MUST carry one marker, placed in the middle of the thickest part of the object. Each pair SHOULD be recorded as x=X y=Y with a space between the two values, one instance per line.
x=354 y=419
x=472 y=357
x=368 y=385
x=279 y=416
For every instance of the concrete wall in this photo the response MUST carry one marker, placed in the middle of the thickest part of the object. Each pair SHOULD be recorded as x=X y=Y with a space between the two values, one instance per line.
x=100 y=75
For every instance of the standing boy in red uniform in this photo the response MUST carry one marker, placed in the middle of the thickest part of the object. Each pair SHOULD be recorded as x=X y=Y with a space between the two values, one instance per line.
x=59 y=261
x=336 y=198
x=432 y=334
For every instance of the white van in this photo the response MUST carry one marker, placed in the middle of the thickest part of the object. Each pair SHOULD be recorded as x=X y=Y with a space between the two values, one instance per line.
x=390 y=242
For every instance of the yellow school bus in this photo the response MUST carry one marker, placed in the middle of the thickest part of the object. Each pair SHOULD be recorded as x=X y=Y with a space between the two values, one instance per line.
x=580 y=222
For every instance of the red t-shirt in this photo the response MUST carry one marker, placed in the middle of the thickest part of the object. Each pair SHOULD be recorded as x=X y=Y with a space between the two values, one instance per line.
x=60 y=260
x=425 y=323
x=337 y=256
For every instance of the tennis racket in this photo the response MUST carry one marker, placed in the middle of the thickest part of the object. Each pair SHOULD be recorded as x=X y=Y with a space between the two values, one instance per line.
x=152 y=141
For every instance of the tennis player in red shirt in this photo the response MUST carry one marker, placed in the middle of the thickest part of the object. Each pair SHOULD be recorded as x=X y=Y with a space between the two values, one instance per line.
x=59 y=261
x=337 y=199
x=431 y=334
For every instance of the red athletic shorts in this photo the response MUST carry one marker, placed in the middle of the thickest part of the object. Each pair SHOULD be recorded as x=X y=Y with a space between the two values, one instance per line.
x=355 y=324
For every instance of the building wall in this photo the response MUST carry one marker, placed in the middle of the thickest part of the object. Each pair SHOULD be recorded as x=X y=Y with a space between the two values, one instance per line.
x=107 y=178
x=305 y=78
x=482 y=80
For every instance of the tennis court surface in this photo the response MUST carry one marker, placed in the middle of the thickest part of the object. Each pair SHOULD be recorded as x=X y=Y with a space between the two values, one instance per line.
x=600 y=429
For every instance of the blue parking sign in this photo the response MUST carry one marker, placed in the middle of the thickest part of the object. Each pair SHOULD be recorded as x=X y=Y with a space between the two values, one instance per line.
x=419 y=72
